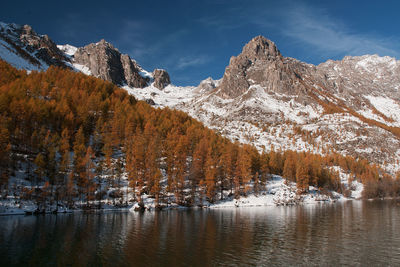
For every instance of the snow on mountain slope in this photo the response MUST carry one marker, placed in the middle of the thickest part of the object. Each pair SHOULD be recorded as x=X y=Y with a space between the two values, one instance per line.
x=18 y=57
x=68 y=50
x=170 y=96
x=25 y=49
x=349 y=106
x=8 y=53
x=389 y=107
x=268 y=122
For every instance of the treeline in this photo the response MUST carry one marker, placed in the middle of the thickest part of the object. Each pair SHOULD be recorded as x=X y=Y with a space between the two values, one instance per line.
x=80 y=138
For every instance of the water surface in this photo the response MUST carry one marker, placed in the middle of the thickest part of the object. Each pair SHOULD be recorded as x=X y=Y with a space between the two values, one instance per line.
x=352 y=233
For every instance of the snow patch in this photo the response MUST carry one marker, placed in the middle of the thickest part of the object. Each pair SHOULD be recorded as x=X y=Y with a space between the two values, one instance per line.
x=67 y=49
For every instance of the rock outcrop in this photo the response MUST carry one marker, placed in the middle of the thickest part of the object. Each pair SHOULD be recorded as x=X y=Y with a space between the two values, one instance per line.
x=161 y=78
x=106 y=62
x=24 y=48
x=131 y=73
x=37 y=50
x=261 y=63
x=46 y=49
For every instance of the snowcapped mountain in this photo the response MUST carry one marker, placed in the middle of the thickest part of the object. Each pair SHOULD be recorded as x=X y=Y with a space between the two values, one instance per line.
x=274 y=102
x=265 y=99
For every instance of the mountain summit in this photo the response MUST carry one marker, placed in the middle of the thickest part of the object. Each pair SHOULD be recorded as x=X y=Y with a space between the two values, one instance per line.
x=259 y=63
x=260 y=48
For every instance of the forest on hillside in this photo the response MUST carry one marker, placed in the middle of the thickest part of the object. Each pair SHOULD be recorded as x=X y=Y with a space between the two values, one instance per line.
x=67 y=137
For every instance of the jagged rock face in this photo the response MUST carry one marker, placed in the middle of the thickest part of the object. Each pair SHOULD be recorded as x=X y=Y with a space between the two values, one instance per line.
x=131 y=73
x=38 y=50
x=47 y=49
x=161 y=78
x=103 y=61
x=361 y=75
x=260 y=63
x=106 y=62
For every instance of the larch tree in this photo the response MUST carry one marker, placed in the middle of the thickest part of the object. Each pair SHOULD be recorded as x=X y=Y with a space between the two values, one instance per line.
x=156 y=190
x=180 y=168
x=88 y=179
x=210 y=175
x=5 y=149
x=289 y=167
x=243 y=172
x=302 y=176
x=198 y=166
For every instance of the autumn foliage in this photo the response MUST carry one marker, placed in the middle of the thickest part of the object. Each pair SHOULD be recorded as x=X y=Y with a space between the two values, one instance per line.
x=76 y=136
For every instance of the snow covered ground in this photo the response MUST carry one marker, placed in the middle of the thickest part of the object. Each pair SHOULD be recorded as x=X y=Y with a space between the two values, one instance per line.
x=277 y=193
x=15 y=206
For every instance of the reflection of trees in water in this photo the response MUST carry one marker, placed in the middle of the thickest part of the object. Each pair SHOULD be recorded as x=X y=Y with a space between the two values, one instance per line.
x=347 y=233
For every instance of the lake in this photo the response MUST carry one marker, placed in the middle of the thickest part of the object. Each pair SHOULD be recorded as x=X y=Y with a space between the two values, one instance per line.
x=352 y=233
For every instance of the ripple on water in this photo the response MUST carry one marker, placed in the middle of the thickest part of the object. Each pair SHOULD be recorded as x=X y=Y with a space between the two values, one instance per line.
x=351 y=233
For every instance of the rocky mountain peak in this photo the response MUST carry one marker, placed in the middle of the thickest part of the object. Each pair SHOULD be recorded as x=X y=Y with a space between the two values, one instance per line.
x=106 y=62
x=260 y=63
x=106 y=45
x=27 y=29
x=260 y=48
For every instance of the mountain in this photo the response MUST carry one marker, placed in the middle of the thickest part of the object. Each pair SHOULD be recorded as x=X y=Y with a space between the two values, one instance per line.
x=23 y=48
x=279 y=103
x=265 y=99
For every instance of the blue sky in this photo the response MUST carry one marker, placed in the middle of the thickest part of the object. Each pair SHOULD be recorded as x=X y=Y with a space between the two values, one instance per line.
x=195 y=39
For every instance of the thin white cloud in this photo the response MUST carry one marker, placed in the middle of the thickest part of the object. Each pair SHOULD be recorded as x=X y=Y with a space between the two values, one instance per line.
x=136 y=38
x=191 y=61
x=229 y=18
x=317 y=29
x=131 y=37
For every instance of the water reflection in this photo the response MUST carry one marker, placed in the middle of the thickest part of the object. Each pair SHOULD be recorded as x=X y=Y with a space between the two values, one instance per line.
x=352 y=233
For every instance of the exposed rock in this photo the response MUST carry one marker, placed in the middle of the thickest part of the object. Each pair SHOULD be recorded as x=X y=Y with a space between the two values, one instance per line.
x=27 y=44
x=106 y=62
x=103 y=61
x=47 y=49
x=161 y=78
x=150 y=101
x=259 y=63
x=131 y=73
